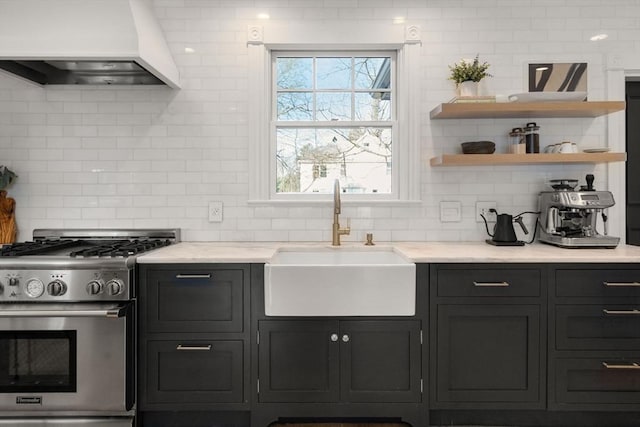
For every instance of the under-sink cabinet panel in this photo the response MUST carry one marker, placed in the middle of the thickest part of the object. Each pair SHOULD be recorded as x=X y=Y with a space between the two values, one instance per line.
x=339 y=361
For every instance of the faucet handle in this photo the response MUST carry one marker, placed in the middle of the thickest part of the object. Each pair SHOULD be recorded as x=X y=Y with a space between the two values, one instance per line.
x=346 y=230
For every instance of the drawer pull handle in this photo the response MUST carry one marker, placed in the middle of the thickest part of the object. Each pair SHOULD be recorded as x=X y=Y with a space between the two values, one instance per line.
x=622 y=284
x=634 y=312
x=193 y=347
x=491 y=284
x=193 y=276
x=631 y=366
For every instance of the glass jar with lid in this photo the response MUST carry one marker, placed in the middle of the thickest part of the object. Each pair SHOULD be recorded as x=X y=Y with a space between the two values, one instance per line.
x=517 y=141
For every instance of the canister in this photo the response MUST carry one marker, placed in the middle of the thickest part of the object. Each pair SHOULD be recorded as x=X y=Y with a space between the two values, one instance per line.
x=532 y=137
x=517 y=141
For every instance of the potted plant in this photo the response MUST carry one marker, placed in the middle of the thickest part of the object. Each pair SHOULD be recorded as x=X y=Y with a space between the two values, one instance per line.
x=467 y=74
x=8 y=228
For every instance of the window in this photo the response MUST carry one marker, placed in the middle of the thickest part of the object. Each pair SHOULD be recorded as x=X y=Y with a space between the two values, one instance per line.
x=333 y=116
x=334 y=101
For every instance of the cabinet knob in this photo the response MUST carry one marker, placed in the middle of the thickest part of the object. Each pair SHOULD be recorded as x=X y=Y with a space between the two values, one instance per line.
x=345 y=338
x=334 y=337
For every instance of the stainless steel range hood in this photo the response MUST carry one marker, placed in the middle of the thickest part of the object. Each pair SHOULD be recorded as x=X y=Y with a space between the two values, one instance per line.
x=84 y=42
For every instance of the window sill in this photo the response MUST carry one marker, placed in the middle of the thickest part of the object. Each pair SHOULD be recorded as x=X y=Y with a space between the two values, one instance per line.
x=329 y=202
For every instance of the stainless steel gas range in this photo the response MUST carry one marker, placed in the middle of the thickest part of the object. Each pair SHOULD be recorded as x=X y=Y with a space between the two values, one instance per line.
x=67 y=326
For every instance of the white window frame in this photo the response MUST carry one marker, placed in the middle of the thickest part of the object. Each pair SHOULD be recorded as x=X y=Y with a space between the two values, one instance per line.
x=405 y=41
x=392 y=124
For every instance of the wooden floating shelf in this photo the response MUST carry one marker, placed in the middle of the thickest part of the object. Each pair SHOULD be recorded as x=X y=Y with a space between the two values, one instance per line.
x=524 y=159
x=498 y=110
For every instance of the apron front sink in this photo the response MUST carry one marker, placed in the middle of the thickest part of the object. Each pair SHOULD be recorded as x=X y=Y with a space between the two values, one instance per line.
x=339 y=282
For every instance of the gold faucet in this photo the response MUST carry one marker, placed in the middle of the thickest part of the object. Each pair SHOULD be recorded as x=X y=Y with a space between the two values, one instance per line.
x=337 y=231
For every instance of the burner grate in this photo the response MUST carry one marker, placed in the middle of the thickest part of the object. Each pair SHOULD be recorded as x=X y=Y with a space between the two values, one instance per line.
x=120 y=248
x=39 y=247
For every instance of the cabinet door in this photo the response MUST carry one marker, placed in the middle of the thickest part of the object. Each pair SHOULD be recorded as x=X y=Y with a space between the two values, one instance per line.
x=298 y=361
x=194 y=299
x=192 y=372
x=380 y=361
x=488 y=356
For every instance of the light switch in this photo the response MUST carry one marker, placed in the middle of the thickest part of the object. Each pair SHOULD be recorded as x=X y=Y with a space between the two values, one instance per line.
x=450 y=211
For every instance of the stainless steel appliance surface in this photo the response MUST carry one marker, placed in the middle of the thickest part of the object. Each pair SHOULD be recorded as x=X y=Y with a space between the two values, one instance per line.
x=67 y=331
x=569 y=217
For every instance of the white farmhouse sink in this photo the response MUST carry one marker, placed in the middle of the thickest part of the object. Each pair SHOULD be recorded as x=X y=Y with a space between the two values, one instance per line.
x=339 y=282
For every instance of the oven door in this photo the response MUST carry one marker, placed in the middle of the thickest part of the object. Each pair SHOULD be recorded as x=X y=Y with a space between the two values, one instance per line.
x=66 y=359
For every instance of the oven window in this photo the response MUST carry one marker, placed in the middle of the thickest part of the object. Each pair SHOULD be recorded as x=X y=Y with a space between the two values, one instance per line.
x=37 y=361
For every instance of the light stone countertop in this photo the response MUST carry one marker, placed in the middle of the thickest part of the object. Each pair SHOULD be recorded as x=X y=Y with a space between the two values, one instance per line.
x=422 y=252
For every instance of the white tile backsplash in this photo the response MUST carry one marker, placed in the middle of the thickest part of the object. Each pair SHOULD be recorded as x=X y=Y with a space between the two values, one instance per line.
x=95 y=156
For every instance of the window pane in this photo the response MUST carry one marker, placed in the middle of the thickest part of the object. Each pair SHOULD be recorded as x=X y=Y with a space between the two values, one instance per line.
x=309 y=160
x=333 y=106
x=372 y=73
x=333 y=73
x=295 y=106
x=294 y=73
x=373 y=106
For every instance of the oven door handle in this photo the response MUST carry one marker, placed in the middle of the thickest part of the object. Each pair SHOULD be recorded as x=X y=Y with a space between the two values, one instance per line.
x=114 y=312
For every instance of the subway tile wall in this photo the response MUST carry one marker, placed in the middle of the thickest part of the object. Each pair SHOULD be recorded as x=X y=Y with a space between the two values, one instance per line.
x=154 y=157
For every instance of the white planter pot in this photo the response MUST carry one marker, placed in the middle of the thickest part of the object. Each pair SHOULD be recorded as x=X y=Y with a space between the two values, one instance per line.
x=468 y=88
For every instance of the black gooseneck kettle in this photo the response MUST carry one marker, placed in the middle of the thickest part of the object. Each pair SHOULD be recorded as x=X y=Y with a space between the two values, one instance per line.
x=503 y=232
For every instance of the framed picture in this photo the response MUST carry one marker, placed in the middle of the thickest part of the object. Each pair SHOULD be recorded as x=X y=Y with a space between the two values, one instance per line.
x=558 y=77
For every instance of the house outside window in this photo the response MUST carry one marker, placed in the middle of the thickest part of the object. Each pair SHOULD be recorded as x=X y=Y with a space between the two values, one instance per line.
x=336 y=110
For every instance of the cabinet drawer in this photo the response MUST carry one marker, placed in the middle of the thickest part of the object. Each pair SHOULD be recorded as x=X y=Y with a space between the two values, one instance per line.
x=598 y=283
x=491 y=282
x=597 y=327
x=189 y=300
x=189 y=372
x=602 y=383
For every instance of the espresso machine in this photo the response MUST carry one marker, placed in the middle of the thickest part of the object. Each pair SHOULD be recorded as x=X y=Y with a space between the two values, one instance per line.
x=569 y=216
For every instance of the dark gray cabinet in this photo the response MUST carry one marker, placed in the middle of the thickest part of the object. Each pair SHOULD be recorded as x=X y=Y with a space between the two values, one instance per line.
x=488 y=336
x=194 y=328
x=194 y=372
x=594 y=339
x=339 y=361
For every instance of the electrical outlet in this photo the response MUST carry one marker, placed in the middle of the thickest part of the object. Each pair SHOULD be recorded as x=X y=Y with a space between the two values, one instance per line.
x=215 y=211
x=483 y=208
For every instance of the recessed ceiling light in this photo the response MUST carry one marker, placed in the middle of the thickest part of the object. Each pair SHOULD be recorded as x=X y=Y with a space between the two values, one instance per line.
x=263 y=16
x=189 y=50
x=398 y=20
x=599 y=37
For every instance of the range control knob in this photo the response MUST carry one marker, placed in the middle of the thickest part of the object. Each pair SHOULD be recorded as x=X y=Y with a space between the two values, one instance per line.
x=115 y=287
x=57 y=288
x=94 y=287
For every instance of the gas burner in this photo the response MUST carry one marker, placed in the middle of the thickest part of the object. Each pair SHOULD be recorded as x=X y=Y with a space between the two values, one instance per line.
x=122 y=248
x=38 y=247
